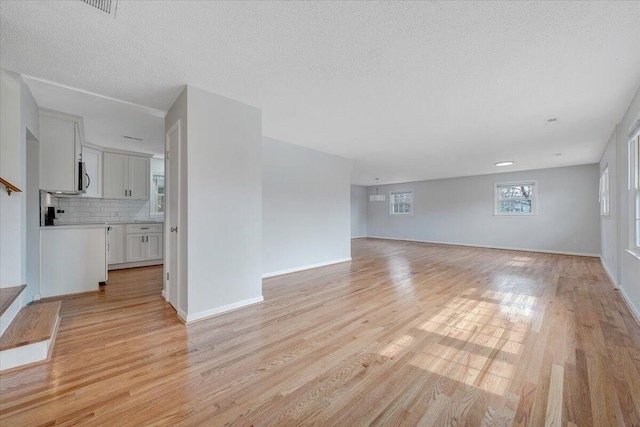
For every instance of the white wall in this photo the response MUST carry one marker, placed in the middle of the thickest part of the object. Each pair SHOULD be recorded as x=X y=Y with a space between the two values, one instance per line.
x=359 y=200
x=621 y=263
x=224 y=170
x=305 y=207
x=18 y=120
x=11 y=252
x=460 y=211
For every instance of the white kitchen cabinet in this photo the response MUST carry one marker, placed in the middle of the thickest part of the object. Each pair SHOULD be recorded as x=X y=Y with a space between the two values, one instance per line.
x=136 y=248
x=93 y=162
x=59 y=151
x=115 y=244
x=154 y=246
x=139 y=176
x=125 y=176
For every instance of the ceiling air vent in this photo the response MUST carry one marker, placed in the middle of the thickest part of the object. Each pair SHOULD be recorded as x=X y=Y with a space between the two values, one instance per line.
x=107 y=7
x=132 y=138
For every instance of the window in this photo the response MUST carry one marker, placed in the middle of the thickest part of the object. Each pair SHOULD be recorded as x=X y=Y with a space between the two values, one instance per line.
x=401 y=202
x=604 y=192
x=157 y=193
x=515 y=198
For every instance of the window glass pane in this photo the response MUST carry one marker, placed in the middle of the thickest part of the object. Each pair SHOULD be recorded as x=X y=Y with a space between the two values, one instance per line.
x=515 y=191
x=515 y=206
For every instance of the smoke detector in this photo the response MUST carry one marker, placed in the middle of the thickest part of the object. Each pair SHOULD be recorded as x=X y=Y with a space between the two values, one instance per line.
x=105 y=7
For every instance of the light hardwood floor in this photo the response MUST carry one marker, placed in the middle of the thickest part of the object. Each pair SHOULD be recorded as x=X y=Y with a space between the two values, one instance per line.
x=406 y=334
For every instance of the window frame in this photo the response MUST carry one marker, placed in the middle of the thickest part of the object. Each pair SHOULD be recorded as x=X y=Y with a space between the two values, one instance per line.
x=605 y=192
x=391 y=193
x=534 y=198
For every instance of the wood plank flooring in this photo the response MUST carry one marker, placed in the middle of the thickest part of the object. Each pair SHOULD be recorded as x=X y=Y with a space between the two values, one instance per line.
x=34 y=323
x=406 y=334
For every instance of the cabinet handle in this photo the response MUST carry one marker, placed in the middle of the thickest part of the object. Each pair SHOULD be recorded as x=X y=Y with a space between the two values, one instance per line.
x=144 y=228
x=130 y=195
x=125 y=193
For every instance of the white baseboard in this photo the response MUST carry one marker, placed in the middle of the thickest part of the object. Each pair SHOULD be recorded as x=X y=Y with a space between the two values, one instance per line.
x=359 y=237
x=304 y=267
x=164 y=295
x=507 y=248
x=634 y=311
x=611 y=276
x=190 y=318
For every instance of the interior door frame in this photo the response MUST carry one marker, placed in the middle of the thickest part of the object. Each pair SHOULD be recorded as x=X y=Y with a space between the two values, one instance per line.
x=169 y=215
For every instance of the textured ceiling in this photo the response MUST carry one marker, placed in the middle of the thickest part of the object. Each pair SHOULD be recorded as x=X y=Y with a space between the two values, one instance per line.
x=408 y=90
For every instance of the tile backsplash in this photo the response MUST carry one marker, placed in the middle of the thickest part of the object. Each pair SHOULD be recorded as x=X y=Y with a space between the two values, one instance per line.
x=84 y=210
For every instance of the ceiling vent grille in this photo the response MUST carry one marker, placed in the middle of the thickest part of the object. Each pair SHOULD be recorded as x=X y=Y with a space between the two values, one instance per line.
x=107 y=7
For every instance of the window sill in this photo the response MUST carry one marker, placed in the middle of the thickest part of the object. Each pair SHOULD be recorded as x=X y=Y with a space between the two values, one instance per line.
x=634 y=253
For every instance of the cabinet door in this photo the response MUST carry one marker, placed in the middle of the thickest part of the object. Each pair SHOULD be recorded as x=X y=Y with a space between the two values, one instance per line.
x=115 y=239
x=115 y=184
x=136 y=247
x=58 y=166
x=93 y=160
x=139 y=178
x=154 y=246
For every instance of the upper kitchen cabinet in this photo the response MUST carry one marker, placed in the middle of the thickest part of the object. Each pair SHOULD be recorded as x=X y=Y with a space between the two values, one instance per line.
x=125 y=176
x=60 y=150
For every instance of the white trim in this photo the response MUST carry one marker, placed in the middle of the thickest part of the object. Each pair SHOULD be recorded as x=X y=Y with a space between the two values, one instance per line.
x=505 y=248
x=164 y=295
x=220 y=310
x=358 y=237
x=182 y=315
x=634 y=311
x=611 y=276
x=305 y=267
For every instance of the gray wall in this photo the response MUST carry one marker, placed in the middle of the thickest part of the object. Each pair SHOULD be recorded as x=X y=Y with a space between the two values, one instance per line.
x=623 y=266
x=460 y=211
x=224 y=170
x=305 y=207
x=358 y=211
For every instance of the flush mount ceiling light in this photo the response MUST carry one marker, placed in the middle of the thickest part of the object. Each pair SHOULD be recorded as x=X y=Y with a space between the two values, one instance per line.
x=377 y=197
x=505 y=163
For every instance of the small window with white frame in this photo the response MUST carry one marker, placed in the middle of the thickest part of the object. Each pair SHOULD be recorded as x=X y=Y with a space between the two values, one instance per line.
x=401 y=202
x=516 y=198
x=604 y=192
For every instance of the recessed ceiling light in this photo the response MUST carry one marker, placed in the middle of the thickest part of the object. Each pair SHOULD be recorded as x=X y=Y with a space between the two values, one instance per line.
x=507 y=163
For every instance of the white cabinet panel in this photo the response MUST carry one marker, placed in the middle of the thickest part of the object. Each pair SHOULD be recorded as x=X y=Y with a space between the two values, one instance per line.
x=139 y=178
x=115 y=244
x=125 y=177
x=136 y=248
x=58 y=161
x=154 y=246
x=116 y=176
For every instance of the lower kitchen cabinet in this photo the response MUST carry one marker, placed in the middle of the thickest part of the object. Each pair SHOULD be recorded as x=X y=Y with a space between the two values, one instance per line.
x=134 y=245
x=115 y=244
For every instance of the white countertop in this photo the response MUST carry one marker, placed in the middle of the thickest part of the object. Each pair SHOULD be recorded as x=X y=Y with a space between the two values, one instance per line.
x=94 y=225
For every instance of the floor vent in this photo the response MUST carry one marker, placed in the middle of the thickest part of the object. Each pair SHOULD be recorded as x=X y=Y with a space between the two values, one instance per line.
x=104 y=6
